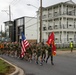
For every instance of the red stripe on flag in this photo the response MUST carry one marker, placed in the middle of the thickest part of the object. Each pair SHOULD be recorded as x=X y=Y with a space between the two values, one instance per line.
x=24 y=44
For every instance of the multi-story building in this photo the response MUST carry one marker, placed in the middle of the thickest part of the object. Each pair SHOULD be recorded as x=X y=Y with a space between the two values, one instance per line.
x=27 y=25
x=60 y=19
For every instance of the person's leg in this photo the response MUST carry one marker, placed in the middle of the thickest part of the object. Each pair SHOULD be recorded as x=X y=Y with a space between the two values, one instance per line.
x=71 y=49
x=52 y=60
x=47 y=58
x=37 y=59
x=44 y=57
x=41 y=60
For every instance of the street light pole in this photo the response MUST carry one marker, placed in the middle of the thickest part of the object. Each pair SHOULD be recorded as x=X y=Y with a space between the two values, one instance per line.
x=32 y=5
x=40 y=20
x=1 y=33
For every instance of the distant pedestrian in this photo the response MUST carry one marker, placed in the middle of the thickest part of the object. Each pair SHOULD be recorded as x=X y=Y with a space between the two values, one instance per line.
x=71 y=46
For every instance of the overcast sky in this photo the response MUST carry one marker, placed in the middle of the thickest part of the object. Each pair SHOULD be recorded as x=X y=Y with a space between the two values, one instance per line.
x=19 y=8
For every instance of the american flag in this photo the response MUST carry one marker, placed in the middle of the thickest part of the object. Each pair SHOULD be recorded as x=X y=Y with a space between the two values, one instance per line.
x=24 y=45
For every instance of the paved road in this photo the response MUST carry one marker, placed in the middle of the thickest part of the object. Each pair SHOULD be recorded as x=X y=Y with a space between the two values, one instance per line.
x=64 y=65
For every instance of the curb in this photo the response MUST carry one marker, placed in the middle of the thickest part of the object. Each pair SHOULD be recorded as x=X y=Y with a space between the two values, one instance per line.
x=21 y=72
x=18 y=70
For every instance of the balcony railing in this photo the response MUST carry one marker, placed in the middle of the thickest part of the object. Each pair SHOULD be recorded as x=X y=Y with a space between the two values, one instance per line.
x=56 y=14
x=59 y=27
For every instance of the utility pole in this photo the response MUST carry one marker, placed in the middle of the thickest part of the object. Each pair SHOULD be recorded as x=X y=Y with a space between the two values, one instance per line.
x=9 y=22
x=40 y=20
x=1 y=33
x=9 y=13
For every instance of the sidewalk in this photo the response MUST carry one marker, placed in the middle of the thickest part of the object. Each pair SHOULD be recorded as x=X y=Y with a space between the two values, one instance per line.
x=67 y=53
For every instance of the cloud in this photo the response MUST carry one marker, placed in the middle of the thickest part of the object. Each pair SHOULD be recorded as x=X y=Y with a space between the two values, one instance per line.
x=19 y=8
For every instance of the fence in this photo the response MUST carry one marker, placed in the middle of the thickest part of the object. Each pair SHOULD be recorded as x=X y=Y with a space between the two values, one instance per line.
x=64 y=45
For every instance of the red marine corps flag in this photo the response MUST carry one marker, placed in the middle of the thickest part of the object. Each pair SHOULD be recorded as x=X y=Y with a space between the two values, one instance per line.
x=51 y=41
x=50 y=38
x=53 y=48
x=24 y=45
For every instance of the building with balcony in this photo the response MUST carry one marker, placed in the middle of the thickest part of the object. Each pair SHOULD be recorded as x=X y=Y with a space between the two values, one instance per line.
x=60 y=19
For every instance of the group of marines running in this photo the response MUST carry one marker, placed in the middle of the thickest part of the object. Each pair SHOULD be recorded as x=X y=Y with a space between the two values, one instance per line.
x=39 y=52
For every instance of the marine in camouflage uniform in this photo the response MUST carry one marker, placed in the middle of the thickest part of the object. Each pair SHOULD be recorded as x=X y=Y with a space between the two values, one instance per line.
x=49 y=48
x=34 y=51
x=8 y=49
x=43 y=54
x=29 y=51
x=17 y=49
x=39 y=54
x=5 y=48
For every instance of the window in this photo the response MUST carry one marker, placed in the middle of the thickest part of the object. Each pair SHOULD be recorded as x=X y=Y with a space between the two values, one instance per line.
x=56 y=26
x=49 y=27
x=44 y=28
x=20 y=22
x=70 y=38
x=70 y=25
x=7 y=27
x=55 y=14
x=56 y=38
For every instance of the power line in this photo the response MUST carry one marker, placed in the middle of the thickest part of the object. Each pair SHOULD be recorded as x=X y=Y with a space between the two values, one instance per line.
x=31 y=30
x=30 y=19
x=14 y=2
x=31 y=25
x=2 y=17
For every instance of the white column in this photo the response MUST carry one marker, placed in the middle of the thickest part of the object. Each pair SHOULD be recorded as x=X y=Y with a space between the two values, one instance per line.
x=66 y=28
x=66 y=22
x=73 y=22
x=73 y=10
x=66 y=36
x=38 y=28
x=62 y=31
x=52 y=12
x=58 y=10
x=62 y=9
x=59 y=36
x=62 y=24
x=53 y=24
x=59 y=29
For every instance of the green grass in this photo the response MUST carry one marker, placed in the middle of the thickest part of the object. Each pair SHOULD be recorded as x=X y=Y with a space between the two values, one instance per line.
x=3 y=66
